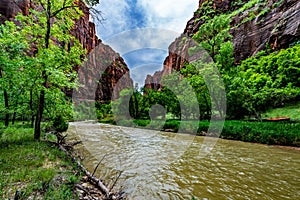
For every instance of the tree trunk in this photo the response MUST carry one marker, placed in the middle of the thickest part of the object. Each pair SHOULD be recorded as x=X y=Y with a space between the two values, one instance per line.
x=32 y=121
x=7 y=108
x=31 y=108
x=6 y=122
x=136 y=106
x=39 y=115
x=14 y=118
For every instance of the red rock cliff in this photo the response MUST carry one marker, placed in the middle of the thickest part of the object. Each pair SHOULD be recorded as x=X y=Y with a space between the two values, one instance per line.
x=279 y=27
x=85 y=32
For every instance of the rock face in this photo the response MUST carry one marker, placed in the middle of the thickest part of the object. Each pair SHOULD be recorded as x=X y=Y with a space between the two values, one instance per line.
x=278 y=27
x=102 y=76
x=85 y=32
x=9 y=9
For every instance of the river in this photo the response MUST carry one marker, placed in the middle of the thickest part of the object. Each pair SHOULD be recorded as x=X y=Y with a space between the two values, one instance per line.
x=159 y=165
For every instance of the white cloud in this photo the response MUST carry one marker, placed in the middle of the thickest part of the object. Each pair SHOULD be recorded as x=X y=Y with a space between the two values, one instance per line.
x=133 y=40
x=114 y=13
x=163 y=21
x=164 y=14
x=169 y=14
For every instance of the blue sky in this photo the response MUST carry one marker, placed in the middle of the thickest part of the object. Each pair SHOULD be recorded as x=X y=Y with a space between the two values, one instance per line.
x=141 y=30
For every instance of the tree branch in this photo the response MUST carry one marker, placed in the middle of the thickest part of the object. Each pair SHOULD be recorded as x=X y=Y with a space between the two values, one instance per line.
x=98 y=164
x=42 y=4
x=61 y=9
x=118 y=177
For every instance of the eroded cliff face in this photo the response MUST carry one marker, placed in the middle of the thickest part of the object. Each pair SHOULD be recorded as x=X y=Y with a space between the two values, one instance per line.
x=106 y=66
x=278 y=27
x=85 y=32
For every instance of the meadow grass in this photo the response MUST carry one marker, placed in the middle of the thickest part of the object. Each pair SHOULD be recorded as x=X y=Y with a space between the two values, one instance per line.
x=36 y=169
x=292 y=111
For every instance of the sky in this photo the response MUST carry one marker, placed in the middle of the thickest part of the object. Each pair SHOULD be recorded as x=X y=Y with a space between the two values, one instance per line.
x=142 y=30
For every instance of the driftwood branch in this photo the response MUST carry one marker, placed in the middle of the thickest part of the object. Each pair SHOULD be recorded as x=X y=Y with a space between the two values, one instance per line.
x=95 y=181
x=98 y=165
x=118 y=177
x=67 y=148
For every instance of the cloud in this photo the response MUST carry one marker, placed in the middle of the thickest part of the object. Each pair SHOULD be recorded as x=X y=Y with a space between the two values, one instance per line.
x=113 y=13
x=169 y=14
x=142 y=38
x=122 y=15
x=138 y=25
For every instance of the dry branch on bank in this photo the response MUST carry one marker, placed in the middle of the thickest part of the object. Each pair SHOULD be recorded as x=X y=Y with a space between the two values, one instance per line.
x=94 y=183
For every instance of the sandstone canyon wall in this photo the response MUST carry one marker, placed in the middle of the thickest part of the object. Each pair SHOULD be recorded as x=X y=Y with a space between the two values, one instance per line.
x=278 y=27
x=114 y=67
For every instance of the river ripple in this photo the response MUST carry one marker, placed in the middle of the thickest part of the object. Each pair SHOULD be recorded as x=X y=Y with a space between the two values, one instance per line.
x=158 y=165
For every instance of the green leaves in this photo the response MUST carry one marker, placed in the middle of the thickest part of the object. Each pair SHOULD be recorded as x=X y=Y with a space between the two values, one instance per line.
x=39 y=56
x=267 y=81
x=214 y=37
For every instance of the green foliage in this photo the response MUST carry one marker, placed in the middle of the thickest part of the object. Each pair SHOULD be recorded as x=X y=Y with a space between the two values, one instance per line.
x=291 y=110
x=266 y=81
x=37 y=60
x=103 y=110
x=60 y=124
x=213 y=34
x=13 y=46
x=250 y=4
x=277 y=4
x=278 y=133
x=206 y=11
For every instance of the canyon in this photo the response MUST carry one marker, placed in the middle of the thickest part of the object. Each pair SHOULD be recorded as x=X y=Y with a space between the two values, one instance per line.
x=275 y=27
x=84 y=30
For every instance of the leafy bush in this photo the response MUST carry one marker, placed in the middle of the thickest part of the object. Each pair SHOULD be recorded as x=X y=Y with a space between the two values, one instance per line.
x=60 y=124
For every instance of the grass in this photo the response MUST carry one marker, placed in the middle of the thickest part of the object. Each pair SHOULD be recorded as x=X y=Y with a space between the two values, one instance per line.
x=35 y=169
x=292 y=111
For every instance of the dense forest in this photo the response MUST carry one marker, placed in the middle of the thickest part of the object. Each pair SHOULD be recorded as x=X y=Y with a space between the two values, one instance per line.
x=39 y=56
x=215 y=80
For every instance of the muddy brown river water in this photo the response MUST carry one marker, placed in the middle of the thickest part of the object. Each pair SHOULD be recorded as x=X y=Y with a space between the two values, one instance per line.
x=159 y=165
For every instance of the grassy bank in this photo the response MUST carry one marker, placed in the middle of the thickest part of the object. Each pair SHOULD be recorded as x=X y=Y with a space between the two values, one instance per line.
x=273 y=133
x=36 y=169
x=292 y=111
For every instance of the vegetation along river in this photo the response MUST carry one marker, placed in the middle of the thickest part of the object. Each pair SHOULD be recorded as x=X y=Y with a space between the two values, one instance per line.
x=158 y=165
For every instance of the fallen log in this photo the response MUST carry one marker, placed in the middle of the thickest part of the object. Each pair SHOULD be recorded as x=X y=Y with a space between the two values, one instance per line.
x=277 y=119
x=67 y=148
x=95 y=181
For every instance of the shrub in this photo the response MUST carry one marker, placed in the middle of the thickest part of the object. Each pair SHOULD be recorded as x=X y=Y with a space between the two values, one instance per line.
x=60 y=124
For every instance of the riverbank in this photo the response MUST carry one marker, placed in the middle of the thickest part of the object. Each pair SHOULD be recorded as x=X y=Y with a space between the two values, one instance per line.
x=40 y=170
x=271 y=133
x=31 y=169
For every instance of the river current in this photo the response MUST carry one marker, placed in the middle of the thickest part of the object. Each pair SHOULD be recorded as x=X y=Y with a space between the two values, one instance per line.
x=160 y=165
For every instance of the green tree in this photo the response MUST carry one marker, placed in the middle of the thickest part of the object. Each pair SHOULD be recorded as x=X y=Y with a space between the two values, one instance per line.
x=13 y=47
x=214 y=37
x=265 y=81
x=57 y=51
